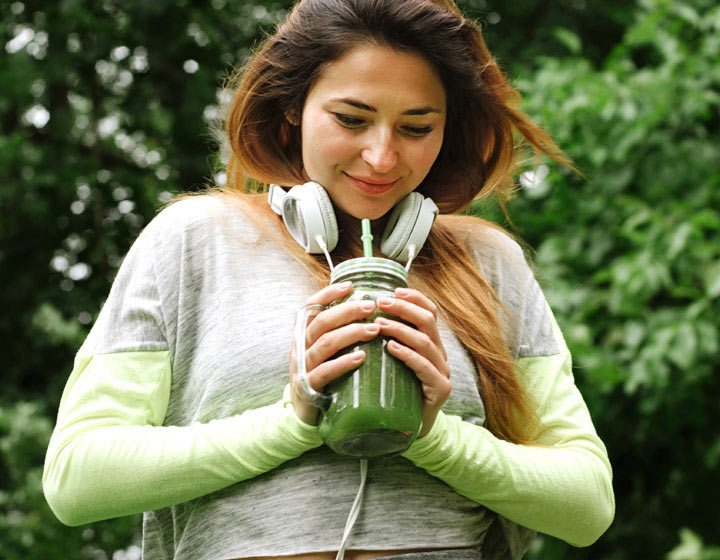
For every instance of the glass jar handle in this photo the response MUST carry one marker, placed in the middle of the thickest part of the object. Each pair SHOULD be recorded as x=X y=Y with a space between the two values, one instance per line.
x=297 y=360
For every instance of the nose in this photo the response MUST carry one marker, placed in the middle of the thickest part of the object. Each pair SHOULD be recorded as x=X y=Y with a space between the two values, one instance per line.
x=381 y=153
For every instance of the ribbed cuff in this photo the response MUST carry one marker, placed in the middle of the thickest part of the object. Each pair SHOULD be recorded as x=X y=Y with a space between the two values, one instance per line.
x=422 y=449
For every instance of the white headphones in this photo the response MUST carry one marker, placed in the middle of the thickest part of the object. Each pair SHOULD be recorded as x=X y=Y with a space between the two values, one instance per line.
x=308 y=214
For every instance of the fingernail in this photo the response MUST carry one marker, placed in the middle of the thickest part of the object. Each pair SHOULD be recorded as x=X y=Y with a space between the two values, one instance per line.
x=372 y=328
x=381 y=321
x=357 y=356
x=402 y=291
x=344 y=285
x=367 y=305
x=386 y=301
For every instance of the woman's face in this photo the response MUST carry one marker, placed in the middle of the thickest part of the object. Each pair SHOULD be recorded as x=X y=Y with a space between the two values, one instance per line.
x=372 y=126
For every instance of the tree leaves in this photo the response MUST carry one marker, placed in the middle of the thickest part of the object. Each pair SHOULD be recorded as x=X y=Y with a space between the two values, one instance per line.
x=643 y=242
x=103 y=115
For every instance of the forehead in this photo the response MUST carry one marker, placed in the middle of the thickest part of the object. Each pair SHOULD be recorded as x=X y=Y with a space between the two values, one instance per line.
x=381 y=76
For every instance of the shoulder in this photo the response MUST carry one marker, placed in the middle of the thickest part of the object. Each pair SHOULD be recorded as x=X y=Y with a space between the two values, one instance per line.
x=193 y=228
x=501 y=261
x=497 y=254
x=203 y=211
x=197 y=218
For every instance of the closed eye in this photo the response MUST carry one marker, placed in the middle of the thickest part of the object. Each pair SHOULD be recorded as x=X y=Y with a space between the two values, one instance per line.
x=417 y=130
x=355 y=122
x=348 y=121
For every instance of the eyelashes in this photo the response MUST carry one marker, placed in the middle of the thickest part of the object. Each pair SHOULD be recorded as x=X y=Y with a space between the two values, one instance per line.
x=354 y=122
x=419 y=131
x=348 y=121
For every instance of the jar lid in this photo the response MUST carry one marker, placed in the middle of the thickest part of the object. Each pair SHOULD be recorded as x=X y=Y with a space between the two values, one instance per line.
x=368 y=264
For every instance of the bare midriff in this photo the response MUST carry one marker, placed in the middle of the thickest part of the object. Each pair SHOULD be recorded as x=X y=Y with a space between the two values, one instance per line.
x=349 y=554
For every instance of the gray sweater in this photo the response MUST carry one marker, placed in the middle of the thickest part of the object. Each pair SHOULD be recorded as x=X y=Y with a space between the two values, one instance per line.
x=176 y=408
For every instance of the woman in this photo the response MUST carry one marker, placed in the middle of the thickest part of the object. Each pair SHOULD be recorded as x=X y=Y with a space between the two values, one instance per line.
x=174 y=406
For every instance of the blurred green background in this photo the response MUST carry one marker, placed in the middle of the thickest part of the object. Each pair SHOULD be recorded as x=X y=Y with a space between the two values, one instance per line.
x=105 y=109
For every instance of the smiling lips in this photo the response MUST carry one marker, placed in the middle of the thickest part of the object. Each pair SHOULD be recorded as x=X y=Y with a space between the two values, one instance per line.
x=372 y=186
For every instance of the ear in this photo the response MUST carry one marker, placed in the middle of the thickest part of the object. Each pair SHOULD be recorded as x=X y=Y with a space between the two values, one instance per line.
x=292 y=117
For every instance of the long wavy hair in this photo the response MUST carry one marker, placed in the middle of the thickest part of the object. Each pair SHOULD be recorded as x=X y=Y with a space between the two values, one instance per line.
x=475 y=161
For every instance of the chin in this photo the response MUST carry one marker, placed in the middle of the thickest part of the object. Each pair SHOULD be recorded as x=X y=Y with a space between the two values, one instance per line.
x=368 y=213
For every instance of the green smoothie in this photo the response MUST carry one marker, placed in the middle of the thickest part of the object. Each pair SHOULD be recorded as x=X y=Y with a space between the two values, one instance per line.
x=376 y=409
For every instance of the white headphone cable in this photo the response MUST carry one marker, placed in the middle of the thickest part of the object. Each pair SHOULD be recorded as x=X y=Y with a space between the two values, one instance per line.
x=411 y=256
x=320 y=241
x=354 y=510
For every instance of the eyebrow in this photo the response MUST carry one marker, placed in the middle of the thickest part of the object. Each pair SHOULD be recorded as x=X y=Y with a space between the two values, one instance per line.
x=359 y=105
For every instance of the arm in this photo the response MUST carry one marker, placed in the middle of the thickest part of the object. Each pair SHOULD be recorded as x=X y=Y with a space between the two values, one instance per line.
x=109 y=455
x=561 y=486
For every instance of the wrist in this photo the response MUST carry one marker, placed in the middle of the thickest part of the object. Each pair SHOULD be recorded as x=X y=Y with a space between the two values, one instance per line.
x=428 y=438
x=306 y=413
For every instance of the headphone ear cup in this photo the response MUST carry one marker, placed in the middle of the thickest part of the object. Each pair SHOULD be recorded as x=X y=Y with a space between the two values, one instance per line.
x=327 y=212
x=409 y=224
x=400 y=225
x=308 y=213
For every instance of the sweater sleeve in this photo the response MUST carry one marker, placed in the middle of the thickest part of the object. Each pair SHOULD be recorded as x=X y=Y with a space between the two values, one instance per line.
x=110 y=455
x=561 y=485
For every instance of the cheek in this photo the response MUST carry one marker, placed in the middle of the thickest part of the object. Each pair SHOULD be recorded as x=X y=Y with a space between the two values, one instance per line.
x=324 y=146
x=425 y=155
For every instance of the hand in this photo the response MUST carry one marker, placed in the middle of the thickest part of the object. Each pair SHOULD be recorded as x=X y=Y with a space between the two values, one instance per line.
x=330 y=331
x=420 y=348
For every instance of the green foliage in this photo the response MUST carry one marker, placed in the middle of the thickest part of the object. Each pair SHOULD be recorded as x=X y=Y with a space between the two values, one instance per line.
x=104 y=111
x=691 y=547
x=517 y=31
x=28 y=529
x=630 y=260
x=49 y=321
x=104 y=114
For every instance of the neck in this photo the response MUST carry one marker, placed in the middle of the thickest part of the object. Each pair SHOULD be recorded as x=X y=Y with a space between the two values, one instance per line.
x=349 y=225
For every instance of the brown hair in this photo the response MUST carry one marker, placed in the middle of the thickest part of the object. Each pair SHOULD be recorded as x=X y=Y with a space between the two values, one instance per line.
x=475 y=160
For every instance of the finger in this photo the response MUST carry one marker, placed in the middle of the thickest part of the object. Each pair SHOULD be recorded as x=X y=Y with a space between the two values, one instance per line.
x=407 y=311
x=332 y=342
x=436 y=387
x=418 y=298
x=330 y=293
x=332 y=369
x=336 y=317
x=421 y=317
x=417 y=340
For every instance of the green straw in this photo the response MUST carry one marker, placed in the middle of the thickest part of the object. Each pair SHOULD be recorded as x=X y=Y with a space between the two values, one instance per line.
x=367 y=238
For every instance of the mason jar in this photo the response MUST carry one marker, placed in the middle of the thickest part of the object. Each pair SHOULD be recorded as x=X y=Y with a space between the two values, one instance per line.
x=376 y=409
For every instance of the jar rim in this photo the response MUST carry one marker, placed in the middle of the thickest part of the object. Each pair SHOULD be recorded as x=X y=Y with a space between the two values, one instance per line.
x=368 y=264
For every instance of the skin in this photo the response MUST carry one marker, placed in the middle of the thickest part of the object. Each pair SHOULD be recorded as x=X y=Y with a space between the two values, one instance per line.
x=372 y=126
x=355 y=126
